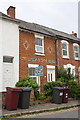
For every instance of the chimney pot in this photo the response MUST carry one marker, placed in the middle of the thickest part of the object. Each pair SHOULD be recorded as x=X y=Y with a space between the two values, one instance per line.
x=11 y=11
x=73 y=33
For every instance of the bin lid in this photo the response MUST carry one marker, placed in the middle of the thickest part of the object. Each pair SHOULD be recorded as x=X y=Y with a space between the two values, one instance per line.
x=25 y=89
x=13 y=89
x=66 y=88
x=59 y=88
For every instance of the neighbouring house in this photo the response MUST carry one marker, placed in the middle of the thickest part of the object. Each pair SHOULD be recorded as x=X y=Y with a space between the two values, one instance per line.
x=9 y=51
x=27 y=46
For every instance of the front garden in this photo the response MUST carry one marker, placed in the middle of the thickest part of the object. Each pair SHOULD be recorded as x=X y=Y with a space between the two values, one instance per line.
x=64 y=78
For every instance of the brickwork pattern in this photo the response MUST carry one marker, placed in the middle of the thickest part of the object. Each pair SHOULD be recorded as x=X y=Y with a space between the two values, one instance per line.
x=49 y=52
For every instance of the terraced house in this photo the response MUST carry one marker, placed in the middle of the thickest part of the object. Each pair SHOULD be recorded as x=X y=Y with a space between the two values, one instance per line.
x=37 y=45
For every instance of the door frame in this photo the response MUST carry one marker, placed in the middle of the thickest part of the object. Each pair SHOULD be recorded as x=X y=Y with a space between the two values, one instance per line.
x=50 y=67
x=11 y=84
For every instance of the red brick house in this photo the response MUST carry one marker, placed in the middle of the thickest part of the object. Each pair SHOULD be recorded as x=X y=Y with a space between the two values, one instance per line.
x=43 y=46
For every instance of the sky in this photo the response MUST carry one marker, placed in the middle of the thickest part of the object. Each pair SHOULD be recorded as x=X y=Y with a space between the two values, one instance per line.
x=57 y=14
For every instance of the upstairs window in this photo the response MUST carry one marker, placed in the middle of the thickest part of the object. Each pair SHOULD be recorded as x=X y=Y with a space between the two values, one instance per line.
x=65 y=51
x=76 y=51
x=39 y=44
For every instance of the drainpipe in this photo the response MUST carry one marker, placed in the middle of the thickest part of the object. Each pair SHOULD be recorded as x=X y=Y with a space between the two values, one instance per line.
x=79 y=66
x=56 y=56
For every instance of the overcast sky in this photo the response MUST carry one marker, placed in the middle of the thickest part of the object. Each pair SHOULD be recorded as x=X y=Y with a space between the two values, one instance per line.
x=57 y=14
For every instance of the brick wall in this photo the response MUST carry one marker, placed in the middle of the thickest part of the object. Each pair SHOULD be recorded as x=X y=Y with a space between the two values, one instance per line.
x=27 y=49
x=71 y=60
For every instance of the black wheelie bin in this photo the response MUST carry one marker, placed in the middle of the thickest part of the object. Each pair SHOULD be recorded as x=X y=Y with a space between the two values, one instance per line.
x=24 y=98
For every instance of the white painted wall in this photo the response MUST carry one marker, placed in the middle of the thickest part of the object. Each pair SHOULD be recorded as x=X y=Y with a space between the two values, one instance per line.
x=10 y=47
x=0 y=54
x=79 y=19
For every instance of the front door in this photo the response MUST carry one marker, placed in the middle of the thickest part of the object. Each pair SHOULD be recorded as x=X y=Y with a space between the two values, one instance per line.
x=7 y=75
x=51 y=75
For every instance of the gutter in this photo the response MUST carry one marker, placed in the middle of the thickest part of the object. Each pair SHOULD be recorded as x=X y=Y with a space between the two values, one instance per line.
x=66 y=38
x=7 y=18
x=26 y=29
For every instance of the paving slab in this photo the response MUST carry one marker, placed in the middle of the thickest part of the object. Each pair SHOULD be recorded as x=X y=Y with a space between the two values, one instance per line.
x=40 y=107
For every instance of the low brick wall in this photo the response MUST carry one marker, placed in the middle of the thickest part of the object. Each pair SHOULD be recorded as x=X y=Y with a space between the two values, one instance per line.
x=3 y=97
x=32 y=97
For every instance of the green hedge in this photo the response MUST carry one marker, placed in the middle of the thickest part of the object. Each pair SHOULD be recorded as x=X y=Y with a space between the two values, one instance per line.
x=30 y=83
x=74 y=91
x=48 y=88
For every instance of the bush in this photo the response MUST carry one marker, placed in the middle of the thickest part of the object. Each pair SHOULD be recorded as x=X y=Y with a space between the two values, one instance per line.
x=41 y=96
x=74 y=89
x=64 y=76
x=48 y=88
x=28 y=82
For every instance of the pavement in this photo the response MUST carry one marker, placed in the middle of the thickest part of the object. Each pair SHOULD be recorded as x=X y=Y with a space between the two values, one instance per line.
x=40 y=107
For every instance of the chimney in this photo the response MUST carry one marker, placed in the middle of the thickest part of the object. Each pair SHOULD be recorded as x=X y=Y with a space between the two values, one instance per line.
x=11 y=11
x=73 y=33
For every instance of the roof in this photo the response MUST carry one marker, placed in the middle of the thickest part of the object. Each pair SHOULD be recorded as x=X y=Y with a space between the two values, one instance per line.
x=34 y=27
x=46 y=30
x=41 y=29
x=2 y=15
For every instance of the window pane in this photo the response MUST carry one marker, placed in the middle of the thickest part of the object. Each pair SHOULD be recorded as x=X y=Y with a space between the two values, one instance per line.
x=39 y=41
x=48 y=77
x=76 y=55
x=69 y=70
x=32 y=71
x=64 y=46
x=65 y=52
x=75 y=48
x=51 y=76
x=73 y=72
x=8 y=59
x=39 y=49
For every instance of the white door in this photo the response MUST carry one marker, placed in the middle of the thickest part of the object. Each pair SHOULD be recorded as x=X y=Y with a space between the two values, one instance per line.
x=51 y=75
x=7 y=75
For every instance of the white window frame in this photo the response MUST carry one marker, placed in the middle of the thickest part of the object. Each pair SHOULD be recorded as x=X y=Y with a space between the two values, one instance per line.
x=71 y=67
x=65 y=56
x=37 y=77
x=75 y=44
x=42 y=38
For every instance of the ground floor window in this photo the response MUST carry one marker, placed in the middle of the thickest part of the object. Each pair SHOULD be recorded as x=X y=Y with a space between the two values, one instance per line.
x=70 y=68
x=32 y=72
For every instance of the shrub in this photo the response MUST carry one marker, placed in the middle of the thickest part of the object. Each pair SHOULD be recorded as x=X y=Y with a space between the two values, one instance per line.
x=74 y=89
x=41 y=96
x=28 y=82
x=48 y=88
x=64 y=76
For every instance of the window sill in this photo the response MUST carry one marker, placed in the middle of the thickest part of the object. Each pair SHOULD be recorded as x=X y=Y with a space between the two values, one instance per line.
x=40 y=54
x=76 y=58
x=65 y=57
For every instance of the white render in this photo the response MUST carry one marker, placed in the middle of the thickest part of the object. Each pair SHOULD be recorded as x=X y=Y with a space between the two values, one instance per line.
x=9 y=46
